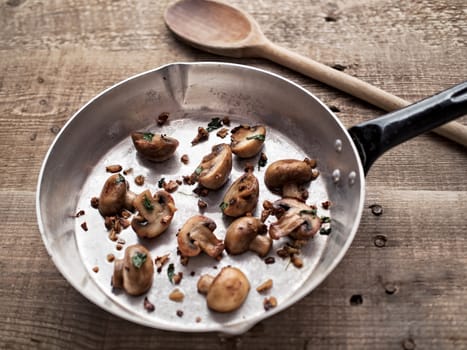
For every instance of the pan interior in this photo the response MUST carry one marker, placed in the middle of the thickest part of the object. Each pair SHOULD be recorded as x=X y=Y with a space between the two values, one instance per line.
x=298 y=126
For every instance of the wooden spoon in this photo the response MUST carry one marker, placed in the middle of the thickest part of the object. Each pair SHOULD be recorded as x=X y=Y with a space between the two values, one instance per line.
x=225 y=30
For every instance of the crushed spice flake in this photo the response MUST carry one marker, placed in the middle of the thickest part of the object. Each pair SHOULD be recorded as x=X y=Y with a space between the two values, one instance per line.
x=262 y=161
x=222 y=133
x=179 y=313
x=269 y=303
x=160 y=261
x=127 y=171
x=95 y=202
x=119 y=247
x=148 y=305
x=202 y=135
x=95 y=269
x=79 y=213
x=265 y=286
x=176 y=295
x=162 y=118
x=201 y=191
x=202 y=204
x=198 y=319
x=170 y=186
x=269 y=260
x=177 y=278
x=326 y=205
x=185 y=159
x=139 y=180
x=226 y=121
x=249 y=167
x=84 y=226
x=114 y=168
x=110 y=258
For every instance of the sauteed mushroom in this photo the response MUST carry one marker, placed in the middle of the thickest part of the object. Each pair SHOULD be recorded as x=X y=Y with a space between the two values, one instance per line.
x=295 y=219
x=285 y=177
x=215 y=167
x=197 y=235
x=242 y=196
x=154 y=147
x=155 y=213
x=247 y=140
x=115 y=196
x=135 y=272
x=247 y=233
x=227 y=291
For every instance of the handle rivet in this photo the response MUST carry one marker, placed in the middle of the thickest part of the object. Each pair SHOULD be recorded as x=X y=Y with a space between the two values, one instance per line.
x=336 y=175
x=338 y=145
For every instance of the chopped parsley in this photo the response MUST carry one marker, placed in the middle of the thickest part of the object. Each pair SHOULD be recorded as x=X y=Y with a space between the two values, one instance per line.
x=171 y=272
x=147 y=203
x=147 y=136
x=223 y=205
x=259 y=137
x=325 y=231
x=161 y=183
x=138 y=259
x=198 y=170
x=325 y=219
x=214 y=124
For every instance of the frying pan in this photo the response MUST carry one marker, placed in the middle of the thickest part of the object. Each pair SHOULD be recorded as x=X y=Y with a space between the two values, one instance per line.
x=298 y=126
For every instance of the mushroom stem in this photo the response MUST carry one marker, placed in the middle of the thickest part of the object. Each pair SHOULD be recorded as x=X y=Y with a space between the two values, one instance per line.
x=204 y=283
x=261 y=245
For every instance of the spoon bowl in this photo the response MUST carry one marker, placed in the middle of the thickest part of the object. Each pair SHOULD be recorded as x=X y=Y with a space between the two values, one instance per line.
x=214 y=27
x=221 y=29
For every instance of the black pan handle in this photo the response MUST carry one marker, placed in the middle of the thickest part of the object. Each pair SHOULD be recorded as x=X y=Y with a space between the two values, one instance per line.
x=374 y=137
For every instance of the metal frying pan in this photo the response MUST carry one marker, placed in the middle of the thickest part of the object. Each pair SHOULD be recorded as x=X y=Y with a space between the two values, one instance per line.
x=298 y=126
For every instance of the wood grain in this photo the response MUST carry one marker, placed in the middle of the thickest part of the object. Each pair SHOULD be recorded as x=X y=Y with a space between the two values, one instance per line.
x=407 y=266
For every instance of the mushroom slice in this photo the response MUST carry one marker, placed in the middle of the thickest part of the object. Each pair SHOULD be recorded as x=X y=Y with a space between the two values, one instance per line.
x=115 y=196
x=285 y=177
x=215 y=167
x=154 y=147
x=242 y=196
x=197 y=235
x=155 y=213
x=227 y=291
x=295 y=219
x=247 y=141
x=135 y=272
x=245 y=234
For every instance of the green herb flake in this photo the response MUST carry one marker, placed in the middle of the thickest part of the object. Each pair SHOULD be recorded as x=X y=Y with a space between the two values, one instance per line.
x=198 y=170
x=138 y=259
x=325 y=219
x=147 y=203
x=262 y=161
x=147 y=136
x=119 y=179
x=214 y=124
x=308 y=212
x=259 y=137
x=161 y=183
x=223 y=205
x=325 y=231
x=171 y=272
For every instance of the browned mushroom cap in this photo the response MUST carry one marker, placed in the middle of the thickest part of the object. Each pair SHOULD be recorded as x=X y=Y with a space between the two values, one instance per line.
x=155 y=213
x=242 y=196
x=154 y=147
x=247 y=140
x=245 y=234
x=215 y=167
x=227 y=291
x=285 y=176
x=197 y=235
x=135 y=272
x=115 y=196
x=295 y=218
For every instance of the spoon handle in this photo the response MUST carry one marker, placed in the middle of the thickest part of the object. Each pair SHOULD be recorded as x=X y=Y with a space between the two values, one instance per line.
x=351 y=85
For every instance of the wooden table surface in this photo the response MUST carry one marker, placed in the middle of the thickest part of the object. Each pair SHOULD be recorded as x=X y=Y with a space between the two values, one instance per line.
x=403 y=282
